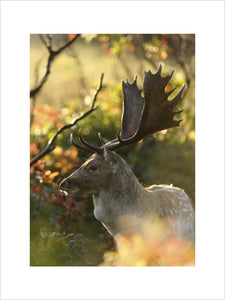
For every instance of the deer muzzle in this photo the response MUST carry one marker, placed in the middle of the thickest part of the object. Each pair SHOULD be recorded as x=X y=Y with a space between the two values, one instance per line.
x=68 y=185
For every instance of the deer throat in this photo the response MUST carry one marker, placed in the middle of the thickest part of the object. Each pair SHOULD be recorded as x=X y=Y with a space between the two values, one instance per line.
x=111 y=211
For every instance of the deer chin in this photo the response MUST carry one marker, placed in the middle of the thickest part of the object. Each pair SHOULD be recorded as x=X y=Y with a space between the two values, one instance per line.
x=74 y=190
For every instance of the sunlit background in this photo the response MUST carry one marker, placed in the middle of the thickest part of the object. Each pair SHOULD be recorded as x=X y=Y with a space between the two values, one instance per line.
x=63 y=230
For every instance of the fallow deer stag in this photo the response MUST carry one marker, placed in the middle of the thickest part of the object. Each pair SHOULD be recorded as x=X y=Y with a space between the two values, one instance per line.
x=121 y=203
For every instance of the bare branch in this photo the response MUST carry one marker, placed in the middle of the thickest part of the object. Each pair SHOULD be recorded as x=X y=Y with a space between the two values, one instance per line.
x=67 y=44
x=33 y=99
x=98 y=90
x=44 y=41
x=51 y=143
x=52 y=55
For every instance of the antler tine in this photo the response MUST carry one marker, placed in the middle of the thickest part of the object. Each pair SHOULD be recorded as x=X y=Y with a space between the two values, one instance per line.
x=102 y=140
x=79 y=146
x=159 y=70
x=88 y=145
x=170 y=92
x=118 y=143
x=178 y=97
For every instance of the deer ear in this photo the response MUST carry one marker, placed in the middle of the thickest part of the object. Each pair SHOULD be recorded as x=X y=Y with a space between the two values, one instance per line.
x=109 y=159
x=105 y=154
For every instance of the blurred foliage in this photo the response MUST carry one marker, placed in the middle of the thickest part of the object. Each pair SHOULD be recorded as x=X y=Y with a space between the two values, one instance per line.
x=63 y=230
x=155 y=247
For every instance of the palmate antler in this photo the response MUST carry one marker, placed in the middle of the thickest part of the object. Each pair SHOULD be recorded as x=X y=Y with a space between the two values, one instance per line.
x=142 y=116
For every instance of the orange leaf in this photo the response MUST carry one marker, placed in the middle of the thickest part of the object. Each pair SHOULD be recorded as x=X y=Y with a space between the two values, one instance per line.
x=71 y=36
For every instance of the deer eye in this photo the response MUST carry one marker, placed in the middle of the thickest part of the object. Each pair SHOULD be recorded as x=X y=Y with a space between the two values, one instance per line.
x=93 y=168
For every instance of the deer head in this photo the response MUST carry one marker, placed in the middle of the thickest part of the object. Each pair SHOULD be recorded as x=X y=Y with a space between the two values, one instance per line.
x=142 y=116
x=95 y=174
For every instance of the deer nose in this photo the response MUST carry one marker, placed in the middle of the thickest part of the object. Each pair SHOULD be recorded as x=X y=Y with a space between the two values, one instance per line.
x=63 y=184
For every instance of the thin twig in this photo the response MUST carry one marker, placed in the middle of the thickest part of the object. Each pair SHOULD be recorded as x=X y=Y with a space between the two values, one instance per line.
x=51 y=143
x=51 y=57
x=78 y=64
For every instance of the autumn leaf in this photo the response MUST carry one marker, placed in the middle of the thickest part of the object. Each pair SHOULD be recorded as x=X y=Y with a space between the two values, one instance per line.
x=71 y=36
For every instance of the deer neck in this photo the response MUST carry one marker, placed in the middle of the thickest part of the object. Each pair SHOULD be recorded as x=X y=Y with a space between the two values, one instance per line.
x=122 y=197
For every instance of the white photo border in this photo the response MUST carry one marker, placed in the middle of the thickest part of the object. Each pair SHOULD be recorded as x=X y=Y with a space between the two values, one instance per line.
x=205 y=19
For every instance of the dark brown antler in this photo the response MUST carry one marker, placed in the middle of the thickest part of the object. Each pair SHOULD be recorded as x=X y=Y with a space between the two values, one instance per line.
x=86 y=146
x=143 y=116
